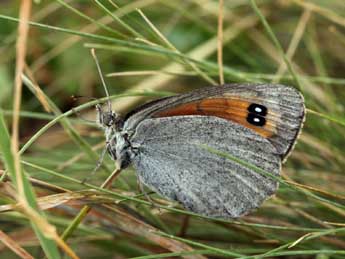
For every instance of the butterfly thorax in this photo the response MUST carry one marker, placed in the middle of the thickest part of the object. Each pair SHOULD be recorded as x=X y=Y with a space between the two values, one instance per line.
x=120 y=149
x=117 y=140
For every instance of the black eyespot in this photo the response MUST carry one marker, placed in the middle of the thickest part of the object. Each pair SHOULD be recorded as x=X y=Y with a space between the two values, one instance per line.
x=256 y=120
x=257 y=109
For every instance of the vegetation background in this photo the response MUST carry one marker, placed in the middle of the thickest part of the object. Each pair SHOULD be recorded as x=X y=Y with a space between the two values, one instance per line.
x=148 y=48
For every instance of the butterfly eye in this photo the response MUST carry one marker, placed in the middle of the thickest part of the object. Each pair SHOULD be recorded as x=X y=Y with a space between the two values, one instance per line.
x=108 y=119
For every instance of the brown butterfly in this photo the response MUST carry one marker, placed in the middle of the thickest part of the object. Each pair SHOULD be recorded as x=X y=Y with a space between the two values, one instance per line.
x=163 y=139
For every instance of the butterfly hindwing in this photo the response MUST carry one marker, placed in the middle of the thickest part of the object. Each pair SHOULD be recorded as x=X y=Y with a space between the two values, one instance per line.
x=171 y=159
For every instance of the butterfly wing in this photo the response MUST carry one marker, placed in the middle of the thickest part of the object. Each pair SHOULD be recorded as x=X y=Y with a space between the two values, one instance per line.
x=171 y=160
x=275 y=112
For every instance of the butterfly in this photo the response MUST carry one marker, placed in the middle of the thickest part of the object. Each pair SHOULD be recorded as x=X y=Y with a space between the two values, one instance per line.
x=163 y=139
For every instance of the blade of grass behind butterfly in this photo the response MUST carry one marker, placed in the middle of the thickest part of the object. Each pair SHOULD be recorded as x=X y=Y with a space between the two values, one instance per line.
x=337 y=120
x=325 y=12
x=119 y=20
x=186 y=10
x=294 y=43
x=101 y=25
x=320 y=67
x=165 y=41
x=48 y=244
x=276 y=43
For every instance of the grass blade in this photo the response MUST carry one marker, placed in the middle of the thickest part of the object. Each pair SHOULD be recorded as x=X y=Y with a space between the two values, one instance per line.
x=48 y=244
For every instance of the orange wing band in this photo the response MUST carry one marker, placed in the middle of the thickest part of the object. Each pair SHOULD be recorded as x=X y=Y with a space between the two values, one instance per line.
x=229 y=109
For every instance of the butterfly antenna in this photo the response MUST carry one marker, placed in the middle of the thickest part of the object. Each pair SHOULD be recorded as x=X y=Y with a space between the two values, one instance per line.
x=93 y=53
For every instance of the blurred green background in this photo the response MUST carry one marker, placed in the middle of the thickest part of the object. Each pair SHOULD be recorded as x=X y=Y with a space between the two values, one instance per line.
x=135 y=58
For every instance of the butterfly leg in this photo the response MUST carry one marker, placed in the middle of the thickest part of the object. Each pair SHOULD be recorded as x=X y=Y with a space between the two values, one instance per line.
x=98 y=165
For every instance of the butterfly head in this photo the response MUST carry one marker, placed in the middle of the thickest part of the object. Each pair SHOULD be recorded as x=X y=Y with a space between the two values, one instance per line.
x=109 y=119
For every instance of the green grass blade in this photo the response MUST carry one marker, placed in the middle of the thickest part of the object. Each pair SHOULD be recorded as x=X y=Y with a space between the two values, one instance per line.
x=47 y=244
x=276 y=43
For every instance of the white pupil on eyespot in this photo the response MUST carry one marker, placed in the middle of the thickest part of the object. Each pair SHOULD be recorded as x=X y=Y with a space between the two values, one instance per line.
x=256 y=119
x=258 y=109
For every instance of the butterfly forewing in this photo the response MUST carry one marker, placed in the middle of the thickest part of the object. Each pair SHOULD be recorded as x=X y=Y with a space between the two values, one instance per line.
x=273 y=111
